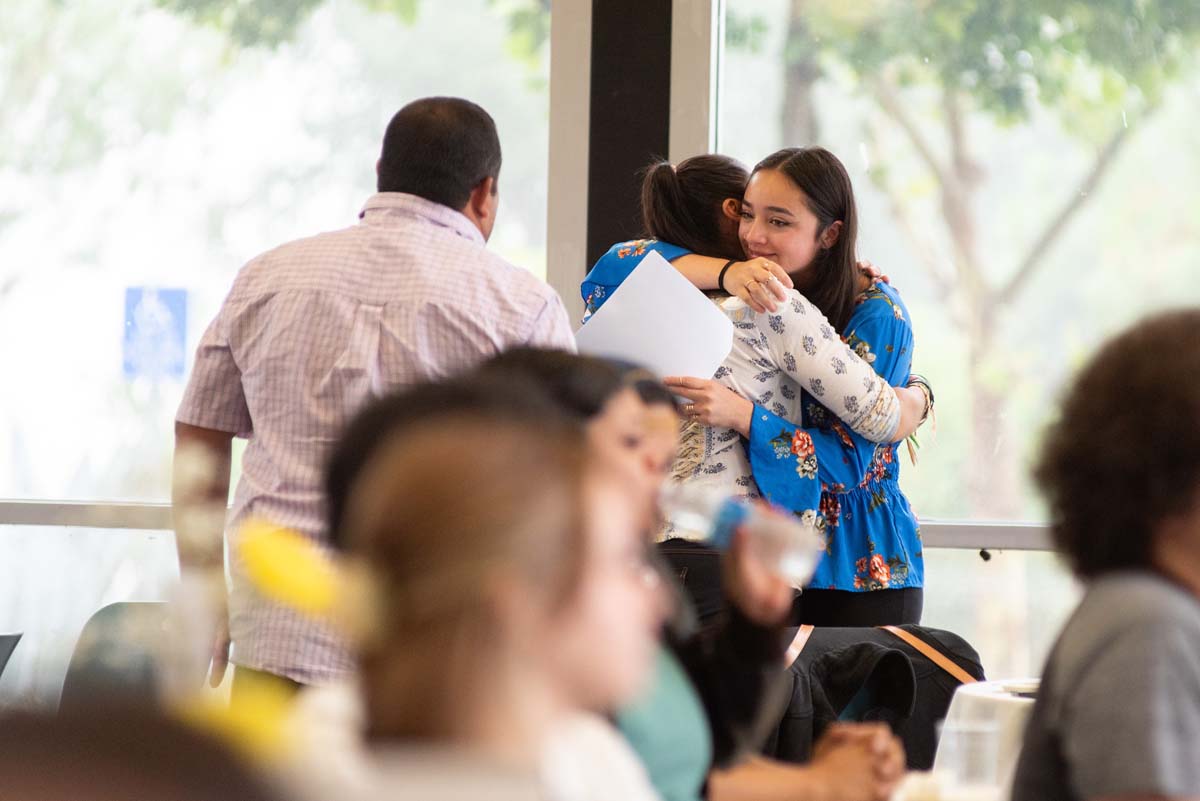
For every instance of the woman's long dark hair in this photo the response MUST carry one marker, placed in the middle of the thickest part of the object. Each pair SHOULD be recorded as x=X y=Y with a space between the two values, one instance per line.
x=829 y=195
x=682 y=204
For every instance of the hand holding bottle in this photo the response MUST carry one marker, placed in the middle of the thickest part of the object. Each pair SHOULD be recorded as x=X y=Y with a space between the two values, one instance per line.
x=762 y=595
x=785 y=545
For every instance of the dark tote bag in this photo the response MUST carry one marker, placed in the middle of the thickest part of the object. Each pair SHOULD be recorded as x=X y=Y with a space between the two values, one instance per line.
x=904 y=676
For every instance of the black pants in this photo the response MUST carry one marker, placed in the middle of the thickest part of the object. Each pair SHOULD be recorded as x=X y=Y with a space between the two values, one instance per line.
x=844 y=609
x=699 y=568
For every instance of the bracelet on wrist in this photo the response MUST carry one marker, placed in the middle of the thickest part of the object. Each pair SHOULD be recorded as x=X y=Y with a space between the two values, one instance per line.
x=921 y=383
x=721 y=275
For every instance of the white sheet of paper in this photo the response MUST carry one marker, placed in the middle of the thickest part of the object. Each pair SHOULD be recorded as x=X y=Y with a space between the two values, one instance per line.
x=657 y=319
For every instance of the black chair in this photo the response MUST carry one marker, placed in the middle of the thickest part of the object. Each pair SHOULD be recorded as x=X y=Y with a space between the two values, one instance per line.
x=114 y=658
x=8 y=644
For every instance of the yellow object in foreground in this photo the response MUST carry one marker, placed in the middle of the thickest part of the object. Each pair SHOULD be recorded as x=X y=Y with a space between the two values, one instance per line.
x=256 y=724
x=286 y=567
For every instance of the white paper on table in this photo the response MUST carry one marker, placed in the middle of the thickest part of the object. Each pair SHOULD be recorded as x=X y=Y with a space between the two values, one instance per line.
x=657 y=319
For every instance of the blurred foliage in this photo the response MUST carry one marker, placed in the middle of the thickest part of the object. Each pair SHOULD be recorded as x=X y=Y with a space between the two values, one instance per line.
x=254 y=22
x=49 y=117
x=744 y=31
x=406 y=10
x=268 y=23
x=1086 y=58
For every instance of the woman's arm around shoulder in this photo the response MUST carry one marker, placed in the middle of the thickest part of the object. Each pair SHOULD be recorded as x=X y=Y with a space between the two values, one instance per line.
x=880 y=332
x=611 y=269
x=805 y=345
x=760 y=283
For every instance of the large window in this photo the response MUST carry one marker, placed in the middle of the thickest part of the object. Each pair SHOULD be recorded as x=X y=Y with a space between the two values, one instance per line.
x=53 y=579
x=1025 y=172
x=1027 y=175
x=148 y=149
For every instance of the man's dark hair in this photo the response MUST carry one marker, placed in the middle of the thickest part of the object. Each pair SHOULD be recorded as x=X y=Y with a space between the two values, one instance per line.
x=468 y=398
x=439 y=148
x=1125 y=454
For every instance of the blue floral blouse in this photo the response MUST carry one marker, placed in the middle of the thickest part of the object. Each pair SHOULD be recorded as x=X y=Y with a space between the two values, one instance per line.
x=873 y=540
x=615 y=266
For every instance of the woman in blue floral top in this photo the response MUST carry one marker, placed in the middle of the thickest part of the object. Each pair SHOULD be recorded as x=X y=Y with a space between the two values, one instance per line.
x=798 y=213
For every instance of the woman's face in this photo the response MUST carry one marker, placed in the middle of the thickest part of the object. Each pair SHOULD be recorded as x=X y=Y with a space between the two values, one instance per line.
x=601 y=644
x=777 y=224
x=639 y=439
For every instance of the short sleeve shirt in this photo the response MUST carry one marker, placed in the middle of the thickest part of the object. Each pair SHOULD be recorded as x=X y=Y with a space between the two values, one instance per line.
x=1118 y=713
x=313 y=330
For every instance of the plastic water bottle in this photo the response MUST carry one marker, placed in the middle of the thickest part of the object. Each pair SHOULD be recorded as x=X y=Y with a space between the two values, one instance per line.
x=785 y=544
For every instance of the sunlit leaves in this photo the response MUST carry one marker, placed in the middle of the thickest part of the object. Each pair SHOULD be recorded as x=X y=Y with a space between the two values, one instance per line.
x=1091 y=60
x=744 y=32
x=251 y=22
x=406 y=10
x=268 y=23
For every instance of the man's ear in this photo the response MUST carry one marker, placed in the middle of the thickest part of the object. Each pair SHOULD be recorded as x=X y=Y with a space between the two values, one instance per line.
x=483 y=197
x=732 y=208
x=829 y=236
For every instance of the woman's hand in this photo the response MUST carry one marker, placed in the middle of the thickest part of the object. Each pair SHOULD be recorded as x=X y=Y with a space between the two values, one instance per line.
x=761 y=283
x=713 y=404
x=867 y=269
x=863 y=761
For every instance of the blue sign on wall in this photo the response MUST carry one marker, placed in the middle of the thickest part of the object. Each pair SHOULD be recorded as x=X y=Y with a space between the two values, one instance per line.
x=155 y=332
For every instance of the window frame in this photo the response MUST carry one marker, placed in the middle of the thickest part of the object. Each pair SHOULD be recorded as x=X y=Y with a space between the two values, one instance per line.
x=157 y=517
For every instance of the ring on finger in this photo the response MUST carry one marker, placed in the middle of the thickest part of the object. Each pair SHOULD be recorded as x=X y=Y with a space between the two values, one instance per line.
x=689 y=409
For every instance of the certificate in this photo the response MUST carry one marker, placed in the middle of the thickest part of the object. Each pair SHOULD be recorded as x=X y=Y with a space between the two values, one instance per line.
x=658 y=320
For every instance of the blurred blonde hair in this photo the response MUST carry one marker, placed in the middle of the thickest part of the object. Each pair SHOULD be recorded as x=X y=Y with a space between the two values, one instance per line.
x=440 y=516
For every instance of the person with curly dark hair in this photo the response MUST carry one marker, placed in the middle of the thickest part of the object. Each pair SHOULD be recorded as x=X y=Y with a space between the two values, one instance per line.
x=1118 y=713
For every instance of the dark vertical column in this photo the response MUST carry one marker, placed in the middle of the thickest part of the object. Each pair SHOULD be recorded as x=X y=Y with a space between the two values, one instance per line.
x=630 y=112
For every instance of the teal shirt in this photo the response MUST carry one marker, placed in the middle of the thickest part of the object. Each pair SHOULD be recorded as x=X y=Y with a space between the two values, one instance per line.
x=668 y=728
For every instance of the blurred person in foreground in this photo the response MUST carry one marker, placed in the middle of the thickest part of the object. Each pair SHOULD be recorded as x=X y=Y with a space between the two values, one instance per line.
x=1118 y=712
x=119 y=754
x=312 y=330
x=516 y=599
x=712 y=694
